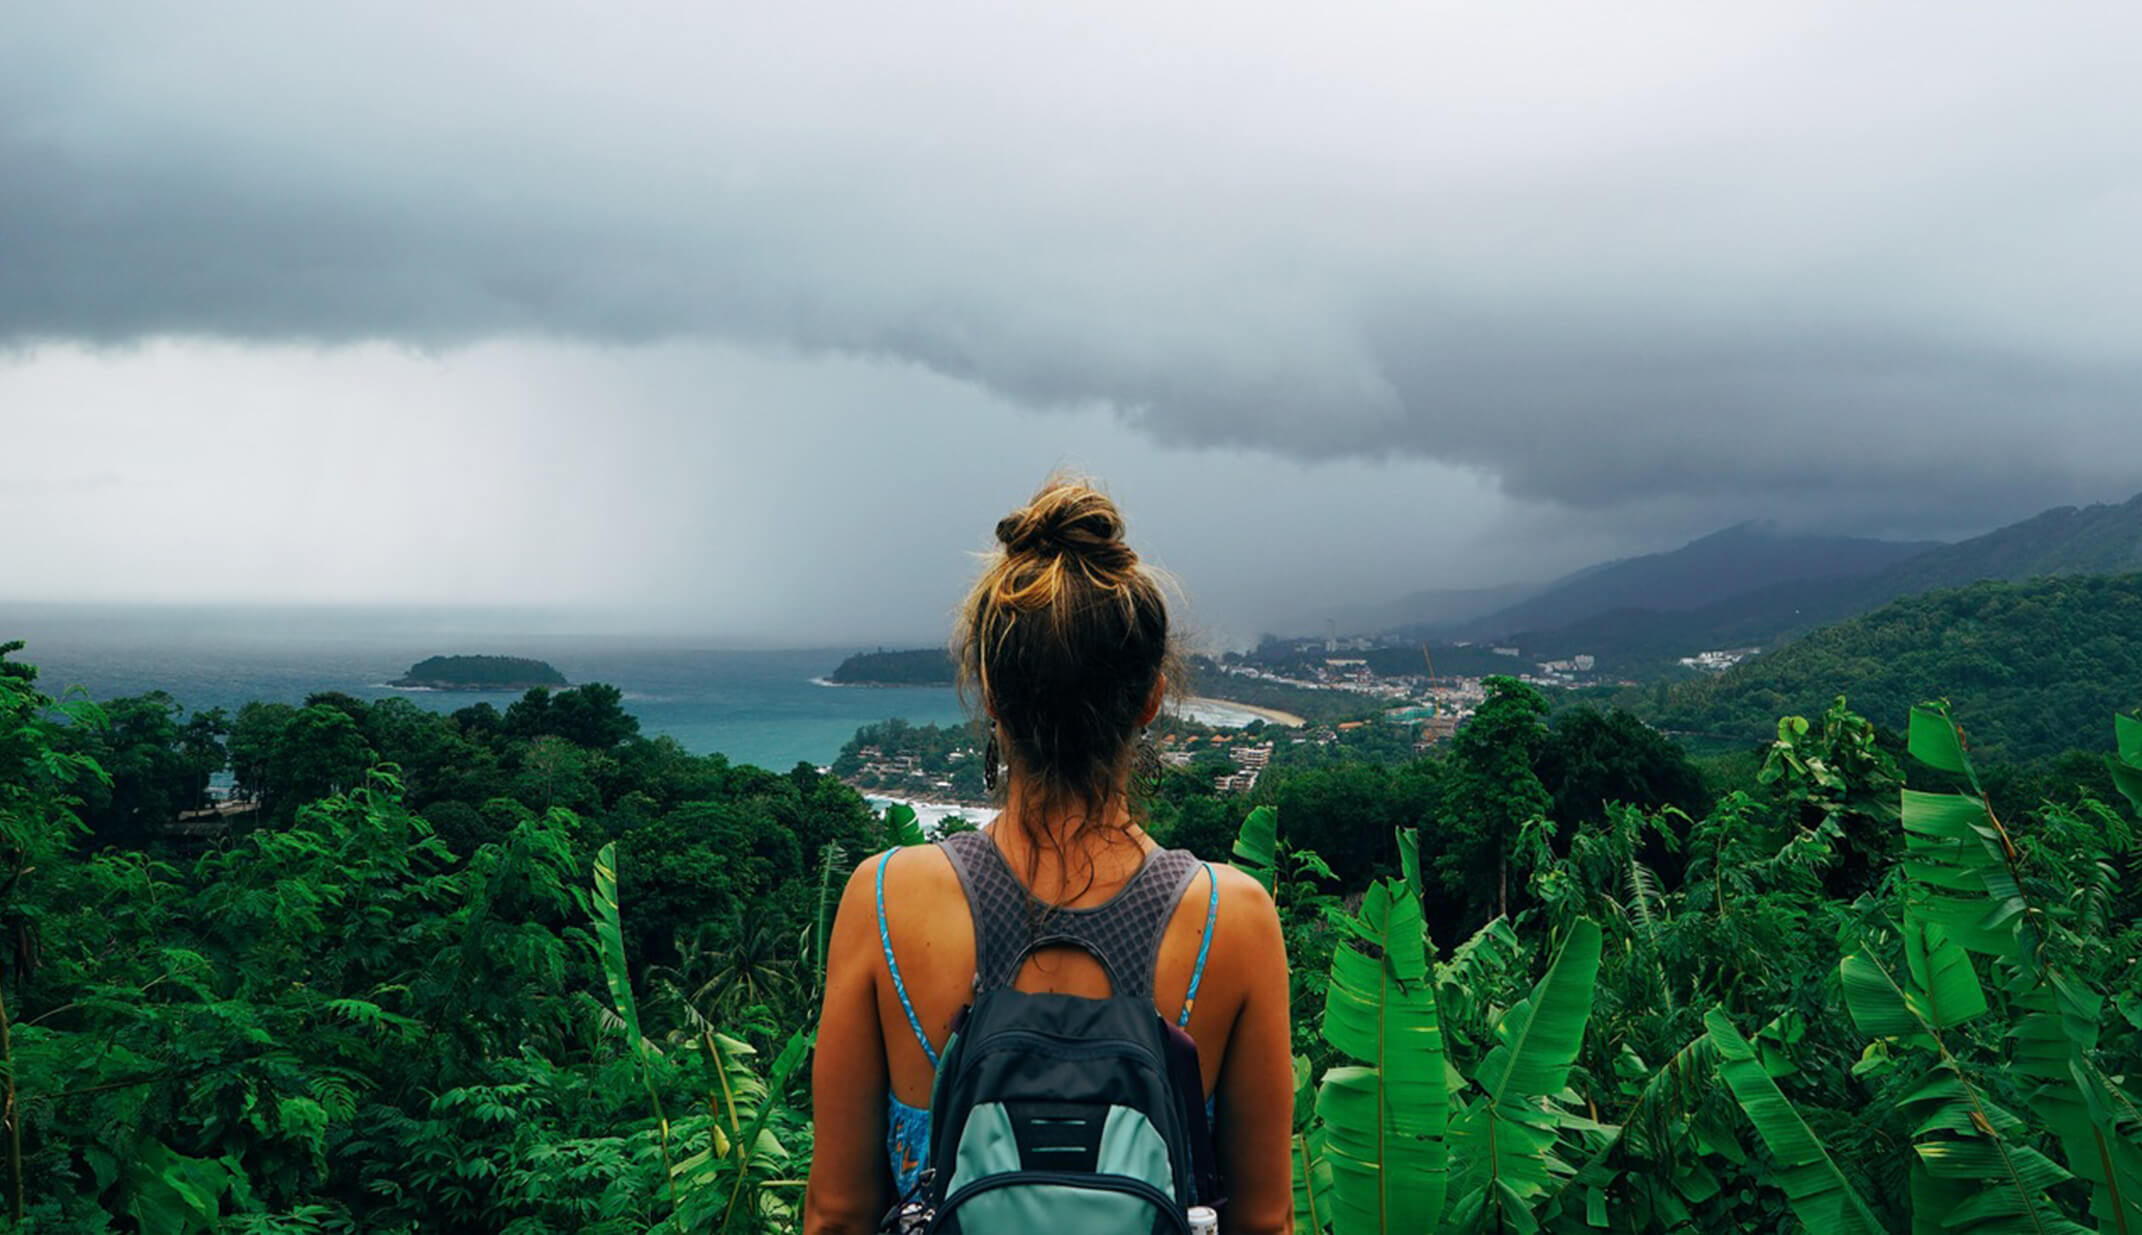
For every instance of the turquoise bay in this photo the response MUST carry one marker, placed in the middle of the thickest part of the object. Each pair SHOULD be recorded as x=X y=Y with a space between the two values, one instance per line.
x=754 y=706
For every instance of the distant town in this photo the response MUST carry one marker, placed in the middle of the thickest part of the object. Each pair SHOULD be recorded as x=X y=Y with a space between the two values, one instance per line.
x=1315 y=700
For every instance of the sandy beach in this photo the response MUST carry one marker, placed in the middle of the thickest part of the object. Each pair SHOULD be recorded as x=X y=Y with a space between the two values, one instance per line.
x=930 y=814
x=1226 y=713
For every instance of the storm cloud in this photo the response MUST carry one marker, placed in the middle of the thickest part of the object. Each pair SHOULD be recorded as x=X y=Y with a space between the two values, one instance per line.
x=1665 y=265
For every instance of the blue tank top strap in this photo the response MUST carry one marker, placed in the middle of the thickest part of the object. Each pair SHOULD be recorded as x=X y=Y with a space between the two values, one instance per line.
x=899 y=986
x=1204 y=948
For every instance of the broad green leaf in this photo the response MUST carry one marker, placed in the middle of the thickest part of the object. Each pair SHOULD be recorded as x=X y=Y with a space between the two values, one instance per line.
x=1256 y=850
x=1384 y=1123
x=1976 y=1169
x=771 y=1097
x=611 y=936
x=901 y=827
x=610 y=932
x=1508 y=1133
x=2127 y=766
x=1657 y=1133
x=2115 y=1170
x=1821 y=1197
x=1874 y=998
x=1932 y=740
x=2127 y=733
x=1312 y=1183
x=1943 y=846
x=830 y=861
x=1944 y=986
x=1957 y=861
x=1537 y=1040
x=2100 y=1142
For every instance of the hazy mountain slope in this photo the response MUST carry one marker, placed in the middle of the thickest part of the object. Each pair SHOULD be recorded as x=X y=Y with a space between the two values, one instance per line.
x=1434 y=610
x=1739 y=560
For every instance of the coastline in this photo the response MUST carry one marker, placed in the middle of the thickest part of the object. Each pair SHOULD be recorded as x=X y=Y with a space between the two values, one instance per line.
x=1205 y=709
x=929 y=814
x=1218 y=709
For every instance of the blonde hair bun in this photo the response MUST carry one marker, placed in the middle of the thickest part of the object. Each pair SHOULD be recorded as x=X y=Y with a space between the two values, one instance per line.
x=1068 y=518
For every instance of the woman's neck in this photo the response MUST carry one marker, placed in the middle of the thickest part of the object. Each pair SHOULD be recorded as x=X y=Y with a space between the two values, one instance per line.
x=1060 y=844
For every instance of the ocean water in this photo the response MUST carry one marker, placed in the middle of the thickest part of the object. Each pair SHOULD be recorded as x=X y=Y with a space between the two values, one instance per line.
x=754 y=706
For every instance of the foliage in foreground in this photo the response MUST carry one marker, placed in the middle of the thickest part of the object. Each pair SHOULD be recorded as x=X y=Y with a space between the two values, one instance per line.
x=336 y=1021
x=1680 y=1063
x=1857 y=1005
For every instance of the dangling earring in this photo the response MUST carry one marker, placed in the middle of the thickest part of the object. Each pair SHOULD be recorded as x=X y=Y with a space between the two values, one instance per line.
x=1145 y=766
x=989 y=765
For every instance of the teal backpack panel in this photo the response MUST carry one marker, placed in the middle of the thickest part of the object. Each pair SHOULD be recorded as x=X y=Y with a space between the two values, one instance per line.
x=1054 y=1112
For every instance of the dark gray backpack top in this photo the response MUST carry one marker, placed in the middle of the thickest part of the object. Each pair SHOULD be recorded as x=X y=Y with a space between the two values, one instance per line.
x=1058 y=1113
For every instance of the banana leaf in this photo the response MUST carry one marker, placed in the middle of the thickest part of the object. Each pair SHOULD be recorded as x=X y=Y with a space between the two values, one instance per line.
x=1976 y=1170
x=1507 y=1135
x=1312 y=1183
x=1654 y=1160
x=901 y=827
x=1932 y=739
x=1466 y=987
x=1874 y=998
x=1384 y=1121
x=1256 y=850
x=1820 y=1195
x=611 y=935
x=832 y=860
x=1955 y=858
x=1537 y=1040
x=2094 y=1123
x=1944 y=984
x=2127 y=765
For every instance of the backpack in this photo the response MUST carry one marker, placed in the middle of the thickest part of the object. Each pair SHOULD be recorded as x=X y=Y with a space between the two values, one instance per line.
x=1059 y=1113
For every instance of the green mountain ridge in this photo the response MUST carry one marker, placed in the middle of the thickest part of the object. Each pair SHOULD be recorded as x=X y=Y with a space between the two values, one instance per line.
x=1713 y=570
x=2027 y=666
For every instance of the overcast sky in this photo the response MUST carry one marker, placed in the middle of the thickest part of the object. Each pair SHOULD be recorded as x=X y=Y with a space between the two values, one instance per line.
x=749 y=320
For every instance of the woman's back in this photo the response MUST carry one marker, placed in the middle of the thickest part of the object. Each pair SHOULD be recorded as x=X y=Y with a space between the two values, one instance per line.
x=935 y=949
x=873 y=1073
x=1065 y=636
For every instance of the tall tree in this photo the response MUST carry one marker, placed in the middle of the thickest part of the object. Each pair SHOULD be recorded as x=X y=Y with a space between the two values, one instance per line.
x=1490 y=790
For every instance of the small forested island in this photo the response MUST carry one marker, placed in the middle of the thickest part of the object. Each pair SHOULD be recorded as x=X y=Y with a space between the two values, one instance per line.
x=913 y=667
x=479 y=673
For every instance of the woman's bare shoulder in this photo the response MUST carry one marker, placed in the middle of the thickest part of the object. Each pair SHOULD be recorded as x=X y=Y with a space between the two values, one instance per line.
x=901 y=862
x=1242 y=899
x=908 y=871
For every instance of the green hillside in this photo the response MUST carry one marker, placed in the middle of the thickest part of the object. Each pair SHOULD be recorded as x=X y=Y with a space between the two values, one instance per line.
x=2067 y=540
x=1711 y=571
x=2027 y=663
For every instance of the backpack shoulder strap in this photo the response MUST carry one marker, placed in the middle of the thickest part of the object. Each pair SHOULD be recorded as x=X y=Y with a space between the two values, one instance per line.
x=1123 y=934
x=1126 y=932
x=999 y=905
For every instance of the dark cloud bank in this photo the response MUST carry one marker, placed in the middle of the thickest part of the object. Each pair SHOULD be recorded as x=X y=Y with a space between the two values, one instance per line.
x=1872 y=272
